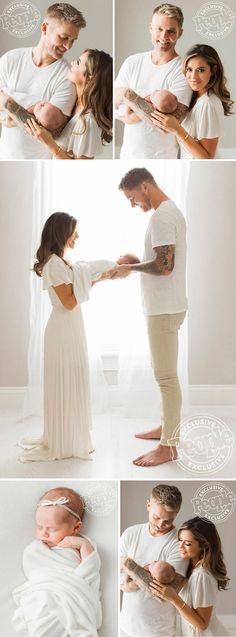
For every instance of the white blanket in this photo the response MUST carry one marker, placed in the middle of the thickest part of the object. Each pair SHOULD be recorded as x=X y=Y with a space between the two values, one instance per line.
x=85 y=272
x=61 y=597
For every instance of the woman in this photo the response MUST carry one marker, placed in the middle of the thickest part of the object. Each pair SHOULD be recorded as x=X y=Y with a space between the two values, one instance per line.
x=91 y=123
x=199 y=133
x=67 y=413
x=200 y=543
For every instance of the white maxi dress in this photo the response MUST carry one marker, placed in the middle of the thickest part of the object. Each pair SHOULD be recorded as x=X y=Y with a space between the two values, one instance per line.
x=67 y=410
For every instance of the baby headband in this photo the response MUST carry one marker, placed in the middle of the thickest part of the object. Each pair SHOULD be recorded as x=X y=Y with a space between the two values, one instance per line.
x=61 y=502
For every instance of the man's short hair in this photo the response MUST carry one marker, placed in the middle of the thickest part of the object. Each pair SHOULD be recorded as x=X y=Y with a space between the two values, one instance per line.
x=66 y=13
x=135 y=178
x=169 y=496
x=171 y=11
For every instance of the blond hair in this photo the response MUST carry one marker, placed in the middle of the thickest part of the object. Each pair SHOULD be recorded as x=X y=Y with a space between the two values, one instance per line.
x=171 y=11
x=169 y=496
x=66 y=13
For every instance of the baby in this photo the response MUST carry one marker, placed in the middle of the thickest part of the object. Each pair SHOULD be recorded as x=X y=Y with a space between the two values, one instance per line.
x=162 y=571
x=164 y=101
x=62 y=588
x=127 y=258
x=48 y=115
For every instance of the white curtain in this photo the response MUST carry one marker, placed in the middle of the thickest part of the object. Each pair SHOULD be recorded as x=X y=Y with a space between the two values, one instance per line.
x=113 y=317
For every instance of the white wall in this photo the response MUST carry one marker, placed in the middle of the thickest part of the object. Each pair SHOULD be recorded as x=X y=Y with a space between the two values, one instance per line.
x=132 y=36
x=134 y=495
x=18 y=501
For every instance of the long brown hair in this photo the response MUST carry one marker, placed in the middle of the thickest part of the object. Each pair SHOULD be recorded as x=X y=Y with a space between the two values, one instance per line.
x=56 y=231
x=97 y=94
x=217 y=82
x=211 y=556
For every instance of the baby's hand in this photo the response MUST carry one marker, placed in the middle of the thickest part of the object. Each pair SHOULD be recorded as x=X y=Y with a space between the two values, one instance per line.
x=81 y=544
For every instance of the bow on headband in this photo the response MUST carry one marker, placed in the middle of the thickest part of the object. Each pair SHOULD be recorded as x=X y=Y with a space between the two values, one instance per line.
x=60 y=502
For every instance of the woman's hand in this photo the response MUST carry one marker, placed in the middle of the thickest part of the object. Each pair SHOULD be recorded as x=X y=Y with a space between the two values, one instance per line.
x=163 y=591
x=167 y=123
x=121 y=272
x=37 y=131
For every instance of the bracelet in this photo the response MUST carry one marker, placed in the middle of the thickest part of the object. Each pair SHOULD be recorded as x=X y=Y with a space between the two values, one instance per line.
x=184 y=604
x=57 y=151
x=186 y=137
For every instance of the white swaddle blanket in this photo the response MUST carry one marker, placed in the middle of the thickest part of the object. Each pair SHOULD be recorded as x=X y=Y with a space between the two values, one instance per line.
x=85 y=272
x=61 y=597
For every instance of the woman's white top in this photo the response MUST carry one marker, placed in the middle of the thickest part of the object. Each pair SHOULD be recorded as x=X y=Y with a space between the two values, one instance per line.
x=201 y=591
x=204 y=121
x=79 y=141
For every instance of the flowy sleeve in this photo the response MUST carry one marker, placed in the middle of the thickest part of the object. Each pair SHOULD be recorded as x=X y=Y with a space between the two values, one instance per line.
x=204 y=590
x=55 y=273
x=86 y=142
x=210 y=120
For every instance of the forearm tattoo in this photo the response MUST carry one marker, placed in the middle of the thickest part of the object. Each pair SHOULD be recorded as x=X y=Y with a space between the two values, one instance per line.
x=163 y=264
x=17 y=112
x=144 y=109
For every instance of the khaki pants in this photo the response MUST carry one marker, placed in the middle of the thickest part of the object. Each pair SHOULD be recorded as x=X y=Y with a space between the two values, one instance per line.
x=163 y=341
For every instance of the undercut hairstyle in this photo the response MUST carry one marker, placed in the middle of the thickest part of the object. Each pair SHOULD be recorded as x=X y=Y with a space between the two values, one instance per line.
x=56 y=231
x=97 y=95
x=66 y=13
x=211 y=556
x=169 y=496
x=135 y=177
x=217 y=82
x=75 y=503
x=171 y=11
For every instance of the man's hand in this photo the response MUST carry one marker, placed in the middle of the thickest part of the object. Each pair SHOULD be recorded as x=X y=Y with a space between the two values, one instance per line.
x=121 y=272
x=7 y=121
x=128 y=585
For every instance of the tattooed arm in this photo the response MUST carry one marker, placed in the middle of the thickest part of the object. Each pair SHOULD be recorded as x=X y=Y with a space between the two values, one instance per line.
x=20 y=115
x=144 y=109
x=163 y=264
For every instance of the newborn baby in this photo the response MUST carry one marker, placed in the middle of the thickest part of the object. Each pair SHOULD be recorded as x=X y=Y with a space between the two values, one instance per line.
x=164 y=101
x=48 y=115
x=127 y=258
x=62 y=589
x=162 y=571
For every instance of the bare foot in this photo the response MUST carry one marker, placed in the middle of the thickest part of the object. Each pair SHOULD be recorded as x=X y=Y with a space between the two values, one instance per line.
x=162 y=453
x=153 y=434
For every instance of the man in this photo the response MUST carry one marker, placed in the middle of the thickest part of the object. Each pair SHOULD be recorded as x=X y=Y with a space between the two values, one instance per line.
x=142 y=615
x=160 y=68
x=31 y=75
x=164 y=300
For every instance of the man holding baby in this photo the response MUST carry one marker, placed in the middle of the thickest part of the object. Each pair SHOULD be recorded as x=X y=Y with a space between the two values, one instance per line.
x=147 y=72
x=142 y=614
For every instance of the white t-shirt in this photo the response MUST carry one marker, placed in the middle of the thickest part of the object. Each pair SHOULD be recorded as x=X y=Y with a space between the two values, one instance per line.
x=165 y=294
x=139 y=73
x=142 y=615
x=29 y=84
x=201 y=592
x=81 y=142
x=205 y=120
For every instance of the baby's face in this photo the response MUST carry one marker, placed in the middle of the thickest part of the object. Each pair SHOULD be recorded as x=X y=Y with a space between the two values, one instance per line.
x=53 y=524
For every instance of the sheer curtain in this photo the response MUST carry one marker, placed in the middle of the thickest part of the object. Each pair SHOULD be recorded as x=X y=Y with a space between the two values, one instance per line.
x=113 y=317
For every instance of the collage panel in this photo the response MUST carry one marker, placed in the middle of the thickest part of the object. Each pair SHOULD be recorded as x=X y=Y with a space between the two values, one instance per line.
x=175 y=82
x=59 y=574
x=161 y=367
x=56 y=71
x=177 y=558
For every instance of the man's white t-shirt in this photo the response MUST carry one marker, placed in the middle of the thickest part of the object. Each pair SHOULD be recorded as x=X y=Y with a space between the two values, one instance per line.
x=204 y=121
x=165 y=294
x=139 y=73
x=141 y=614
x=29 y=84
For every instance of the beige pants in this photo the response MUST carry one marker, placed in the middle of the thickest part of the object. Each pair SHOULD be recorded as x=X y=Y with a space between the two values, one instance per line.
x=163 y=340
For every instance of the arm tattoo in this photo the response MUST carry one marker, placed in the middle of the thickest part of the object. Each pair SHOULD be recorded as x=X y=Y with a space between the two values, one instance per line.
x=162 y=264
x=144 y=109
x=17 y=112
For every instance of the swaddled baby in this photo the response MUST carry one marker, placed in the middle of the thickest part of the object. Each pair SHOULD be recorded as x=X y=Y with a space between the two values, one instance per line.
x=62 y=591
